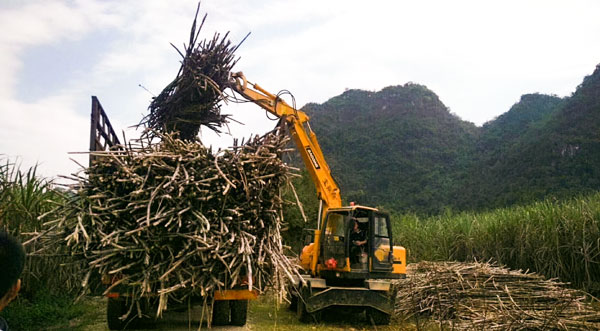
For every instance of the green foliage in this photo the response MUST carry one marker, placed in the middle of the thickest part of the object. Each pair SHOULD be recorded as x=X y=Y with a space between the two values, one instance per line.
x=24 y=197
x=42 y=310
x=493 y=178
x=556 y=239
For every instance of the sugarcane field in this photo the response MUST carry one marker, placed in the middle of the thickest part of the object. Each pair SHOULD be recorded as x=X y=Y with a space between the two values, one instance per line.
x=372 y=210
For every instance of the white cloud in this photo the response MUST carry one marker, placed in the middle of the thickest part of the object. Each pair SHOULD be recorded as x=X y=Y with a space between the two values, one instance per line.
x=43 y=133
x=479 y=57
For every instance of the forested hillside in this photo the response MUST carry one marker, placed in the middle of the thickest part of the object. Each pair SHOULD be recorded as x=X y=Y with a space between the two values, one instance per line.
x=396 y=147
x=484 y=182
x=401 y=148
x=556 y=155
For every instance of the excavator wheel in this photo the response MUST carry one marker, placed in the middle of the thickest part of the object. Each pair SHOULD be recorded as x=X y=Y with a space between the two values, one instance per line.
x=377 y=317
x=303 y=315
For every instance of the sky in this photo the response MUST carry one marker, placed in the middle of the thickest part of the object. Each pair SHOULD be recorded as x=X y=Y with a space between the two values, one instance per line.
x=478 y=56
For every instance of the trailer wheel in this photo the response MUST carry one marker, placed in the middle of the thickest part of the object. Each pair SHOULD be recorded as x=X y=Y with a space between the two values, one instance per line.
x=220 y=313
x=115 y=308
x=239 y=311
x=377 y=317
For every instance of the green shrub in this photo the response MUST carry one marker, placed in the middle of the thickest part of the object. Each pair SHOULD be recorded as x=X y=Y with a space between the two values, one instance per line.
x=40 y=311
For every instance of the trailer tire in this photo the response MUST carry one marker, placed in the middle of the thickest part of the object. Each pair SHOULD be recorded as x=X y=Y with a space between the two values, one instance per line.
x=220 y=313
x=115 y=308
x=239 y=312
x=377 y=317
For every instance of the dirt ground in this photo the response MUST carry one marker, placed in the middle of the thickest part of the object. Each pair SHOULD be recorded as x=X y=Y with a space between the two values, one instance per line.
x=172 y=321
x=263 y=314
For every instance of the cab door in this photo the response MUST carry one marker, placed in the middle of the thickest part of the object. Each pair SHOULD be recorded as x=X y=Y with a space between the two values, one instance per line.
x=381 y=242
x=333 y=244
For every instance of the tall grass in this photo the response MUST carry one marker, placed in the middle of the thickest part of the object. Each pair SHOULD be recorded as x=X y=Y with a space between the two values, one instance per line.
x=24 y=197
x=49 y=281
x=557 y=239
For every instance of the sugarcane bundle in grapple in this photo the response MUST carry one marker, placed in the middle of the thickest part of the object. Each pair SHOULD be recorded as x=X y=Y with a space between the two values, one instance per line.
x=192 y=98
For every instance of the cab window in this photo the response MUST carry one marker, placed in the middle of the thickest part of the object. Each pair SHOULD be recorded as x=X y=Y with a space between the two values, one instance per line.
x=381 y=229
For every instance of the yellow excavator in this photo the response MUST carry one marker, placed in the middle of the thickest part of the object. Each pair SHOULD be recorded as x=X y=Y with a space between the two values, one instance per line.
x=341 y=268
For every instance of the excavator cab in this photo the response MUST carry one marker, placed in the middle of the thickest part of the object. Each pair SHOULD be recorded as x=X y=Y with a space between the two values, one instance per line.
x=344 y=280
x=341 y=258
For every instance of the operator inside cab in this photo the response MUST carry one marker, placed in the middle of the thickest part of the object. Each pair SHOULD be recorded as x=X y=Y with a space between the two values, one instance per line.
x=358 y=238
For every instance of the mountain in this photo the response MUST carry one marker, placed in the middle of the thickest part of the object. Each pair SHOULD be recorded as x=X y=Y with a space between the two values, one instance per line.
x=558 y=154
x=484 y=182
x=401 y=148
x=510 y=126
x=394 y=147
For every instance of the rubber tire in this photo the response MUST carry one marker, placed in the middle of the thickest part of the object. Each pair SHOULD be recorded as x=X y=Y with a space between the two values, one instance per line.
x=239 y=312
x=301 y=312
x=220 y=313
x=377 y=317
x=115 y=308
x=303 y=315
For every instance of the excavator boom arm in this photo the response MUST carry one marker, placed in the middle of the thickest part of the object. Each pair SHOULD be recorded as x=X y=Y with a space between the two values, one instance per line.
x=305 y=139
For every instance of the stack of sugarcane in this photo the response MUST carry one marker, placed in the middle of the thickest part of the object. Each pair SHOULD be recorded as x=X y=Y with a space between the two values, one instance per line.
x=484 y=296
x=168 y=218
x=174 y=220
x=192 y=98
